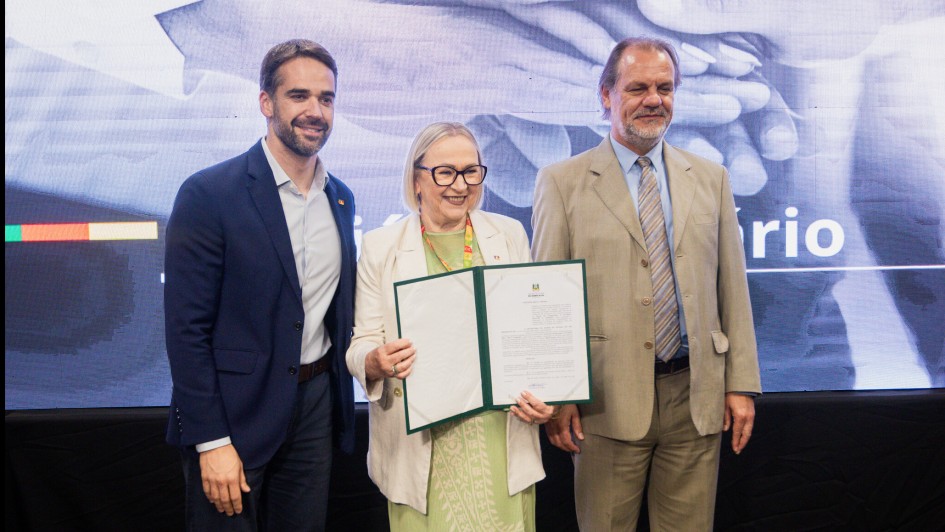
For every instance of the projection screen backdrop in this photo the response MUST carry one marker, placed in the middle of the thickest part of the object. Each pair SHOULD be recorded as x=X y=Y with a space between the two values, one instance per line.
x=829 y=115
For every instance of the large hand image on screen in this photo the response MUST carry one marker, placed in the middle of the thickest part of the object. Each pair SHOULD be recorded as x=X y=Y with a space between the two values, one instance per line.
x=827 y=115
x=864 y=307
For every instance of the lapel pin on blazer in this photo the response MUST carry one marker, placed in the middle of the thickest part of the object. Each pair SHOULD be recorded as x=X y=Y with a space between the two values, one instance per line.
x=341 y=202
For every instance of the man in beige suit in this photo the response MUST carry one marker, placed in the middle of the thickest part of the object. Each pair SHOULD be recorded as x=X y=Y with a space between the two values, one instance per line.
x=672 y=339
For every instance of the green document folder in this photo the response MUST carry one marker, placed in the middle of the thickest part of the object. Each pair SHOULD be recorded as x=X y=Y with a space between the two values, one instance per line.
x=485 y=334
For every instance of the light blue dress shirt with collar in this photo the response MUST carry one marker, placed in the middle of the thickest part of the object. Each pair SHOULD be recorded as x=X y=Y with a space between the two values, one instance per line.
x=632 y=172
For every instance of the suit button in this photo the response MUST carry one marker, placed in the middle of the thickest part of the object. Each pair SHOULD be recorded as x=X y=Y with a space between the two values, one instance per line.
x=648 y=345
x=644 y=263
x=397 y=392
x=646 y=301
x=298 y=326
x=293 y=370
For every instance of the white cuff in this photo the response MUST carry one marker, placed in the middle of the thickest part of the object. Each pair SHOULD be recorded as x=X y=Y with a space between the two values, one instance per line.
x=211 y=445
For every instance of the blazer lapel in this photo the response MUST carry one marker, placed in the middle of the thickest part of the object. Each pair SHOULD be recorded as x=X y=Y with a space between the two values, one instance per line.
x=609 y=182
x=492 y=244
x=411 y=259
x=682 y=190
x=262 y=188
x=343 y=219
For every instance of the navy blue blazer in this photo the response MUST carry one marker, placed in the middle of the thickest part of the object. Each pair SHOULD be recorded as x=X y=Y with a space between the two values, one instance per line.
x=233 y=310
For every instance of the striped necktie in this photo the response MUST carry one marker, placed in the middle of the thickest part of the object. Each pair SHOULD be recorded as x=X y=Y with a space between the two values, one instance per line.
x=665 y=308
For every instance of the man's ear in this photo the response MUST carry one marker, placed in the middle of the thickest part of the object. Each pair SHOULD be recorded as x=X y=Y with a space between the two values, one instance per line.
x=605 y=98
x=265 y=104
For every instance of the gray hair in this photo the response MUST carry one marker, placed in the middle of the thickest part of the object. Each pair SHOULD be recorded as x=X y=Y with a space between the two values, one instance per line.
x=281 y=53
x=608 y=78
x=428 y=136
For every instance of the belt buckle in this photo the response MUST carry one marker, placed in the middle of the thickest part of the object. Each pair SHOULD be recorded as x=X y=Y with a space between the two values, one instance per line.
x=672 y=366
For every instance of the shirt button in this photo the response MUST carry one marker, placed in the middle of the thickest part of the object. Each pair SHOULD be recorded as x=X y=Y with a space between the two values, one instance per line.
x=646 y=301
x=298 y=326
x=397 y=392
x=648 y=345
x=644 y=263
x=293 y=370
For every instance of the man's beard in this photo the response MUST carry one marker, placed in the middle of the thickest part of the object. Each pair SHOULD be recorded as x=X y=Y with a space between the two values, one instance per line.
x=296 y=142
x=649 y=134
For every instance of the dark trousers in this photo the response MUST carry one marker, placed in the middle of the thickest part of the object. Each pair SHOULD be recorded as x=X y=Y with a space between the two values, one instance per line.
x=290 y=492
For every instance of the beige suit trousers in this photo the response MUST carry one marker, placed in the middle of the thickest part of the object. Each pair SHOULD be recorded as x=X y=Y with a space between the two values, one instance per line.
x=681 y=464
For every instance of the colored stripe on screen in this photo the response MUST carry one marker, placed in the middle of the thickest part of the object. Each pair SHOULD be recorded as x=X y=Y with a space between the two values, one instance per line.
x=82 y=232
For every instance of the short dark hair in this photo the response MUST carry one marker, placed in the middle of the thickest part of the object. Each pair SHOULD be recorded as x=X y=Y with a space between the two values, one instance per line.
x=608 y=78
x=283 y=52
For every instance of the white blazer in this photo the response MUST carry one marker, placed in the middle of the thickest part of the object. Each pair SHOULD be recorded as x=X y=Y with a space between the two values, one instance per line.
x=400 y=464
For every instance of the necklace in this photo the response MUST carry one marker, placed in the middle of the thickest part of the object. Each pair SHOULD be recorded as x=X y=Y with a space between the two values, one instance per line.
x=467 y=245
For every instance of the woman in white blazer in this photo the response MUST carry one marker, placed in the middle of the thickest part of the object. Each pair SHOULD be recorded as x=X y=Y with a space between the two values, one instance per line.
x=476 y=473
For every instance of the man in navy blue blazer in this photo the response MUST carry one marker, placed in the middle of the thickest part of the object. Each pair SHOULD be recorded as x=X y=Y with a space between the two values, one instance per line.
x=258 y=296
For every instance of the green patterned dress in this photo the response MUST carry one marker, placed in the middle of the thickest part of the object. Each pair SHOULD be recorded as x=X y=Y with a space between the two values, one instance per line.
x=468 y=487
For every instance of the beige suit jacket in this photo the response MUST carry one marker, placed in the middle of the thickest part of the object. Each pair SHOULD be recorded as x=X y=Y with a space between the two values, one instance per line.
x=400 y=464
x=583 y=209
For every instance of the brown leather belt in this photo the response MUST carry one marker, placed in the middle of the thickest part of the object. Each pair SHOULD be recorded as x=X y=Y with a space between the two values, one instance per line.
x=675 y=365
x=310 y=371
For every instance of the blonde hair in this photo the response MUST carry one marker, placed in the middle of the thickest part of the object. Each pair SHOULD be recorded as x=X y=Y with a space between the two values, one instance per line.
x=428 y=136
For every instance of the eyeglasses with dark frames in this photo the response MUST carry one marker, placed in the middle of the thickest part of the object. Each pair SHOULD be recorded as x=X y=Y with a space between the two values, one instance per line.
x=444 y=176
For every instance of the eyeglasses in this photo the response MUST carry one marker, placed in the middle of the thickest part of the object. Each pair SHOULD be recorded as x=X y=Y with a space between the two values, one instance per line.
x=446 y=175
